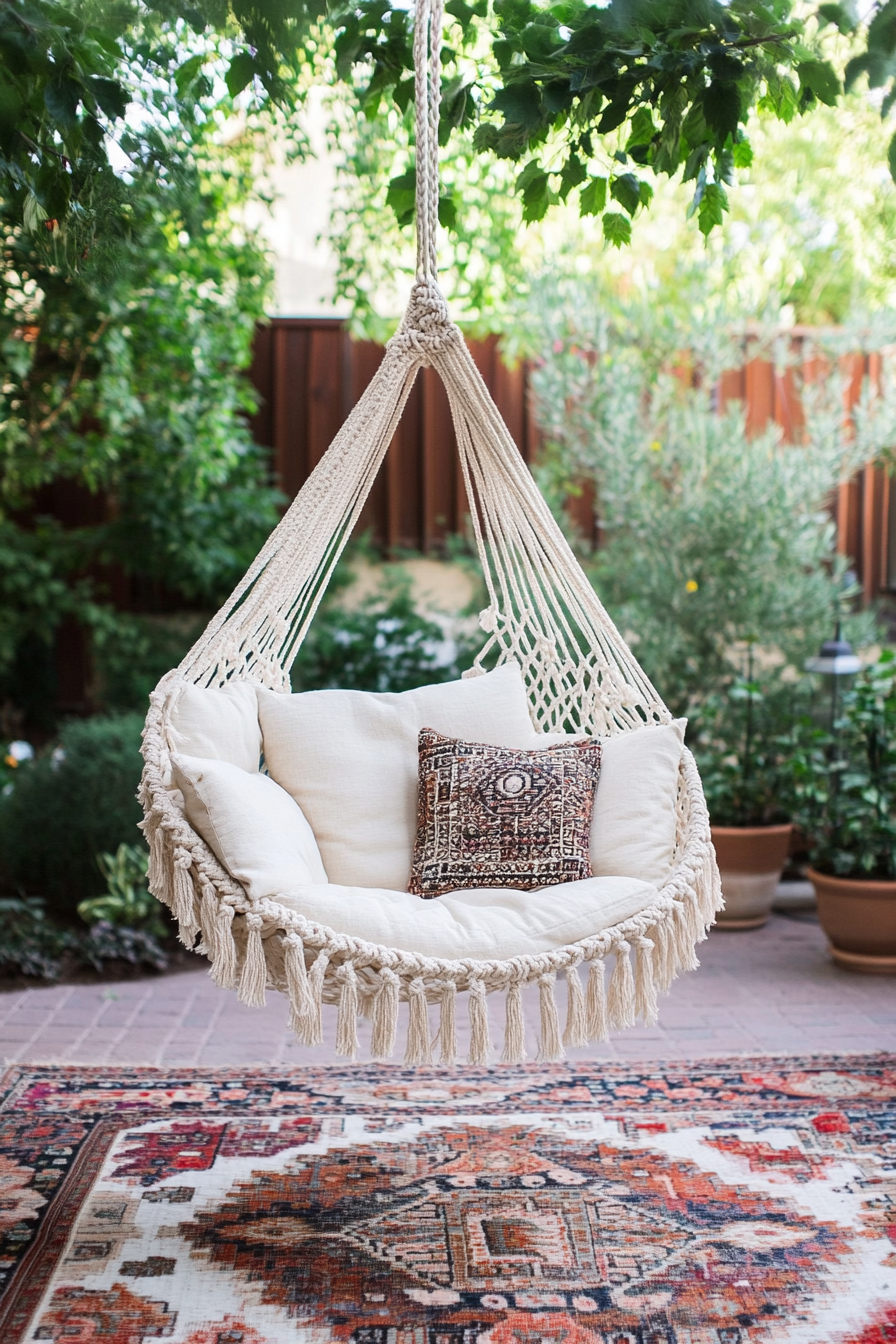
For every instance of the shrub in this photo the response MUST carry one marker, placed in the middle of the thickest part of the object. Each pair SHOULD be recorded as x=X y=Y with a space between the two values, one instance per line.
x=127 y=902
x=131 y=653
x=710 y=539
x=742 y=741
x=75 y=801
x=386 y=645
x=32 y=944
x=37 y=946
x=844 y=779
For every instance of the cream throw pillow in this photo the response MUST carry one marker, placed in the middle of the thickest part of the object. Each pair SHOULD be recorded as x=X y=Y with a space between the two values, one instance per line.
x=254 y=828
x=349 y=759
x=634 y=817
x=487 y=924
x=221 y=725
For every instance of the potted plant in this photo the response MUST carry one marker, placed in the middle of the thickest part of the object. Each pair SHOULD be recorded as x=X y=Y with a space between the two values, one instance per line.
x=844 y=790
x=740 y=751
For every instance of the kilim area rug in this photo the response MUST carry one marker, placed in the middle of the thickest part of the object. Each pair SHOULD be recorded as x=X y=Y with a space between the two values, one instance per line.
x=727 y=1202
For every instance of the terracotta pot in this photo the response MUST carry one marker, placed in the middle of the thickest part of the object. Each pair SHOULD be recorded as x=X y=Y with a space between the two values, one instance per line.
x=859 y=918
x=751 y=860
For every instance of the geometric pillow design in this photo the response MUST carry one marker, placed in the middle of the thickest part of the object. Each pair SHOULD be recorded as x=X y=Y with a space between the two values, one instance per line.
x=493 y=817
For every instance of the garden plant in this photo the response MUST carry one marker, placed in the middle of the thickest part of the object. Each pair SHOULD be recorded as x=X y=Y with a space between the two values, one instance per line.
x=843 y=778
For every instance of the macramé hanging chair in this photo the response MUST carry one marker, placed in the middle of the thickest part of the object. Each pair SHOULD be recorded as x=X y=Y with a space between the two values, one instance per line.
x=542 y=612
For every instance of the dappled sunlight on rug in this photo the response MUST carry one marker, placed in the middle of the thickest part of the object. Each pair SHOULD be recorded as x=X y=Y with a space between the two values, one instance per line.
x=730 y=1202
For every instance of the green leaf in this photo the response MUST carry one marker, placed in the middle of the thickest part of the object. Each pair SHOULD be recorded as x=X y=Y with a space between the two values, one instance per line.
x=532 y=184
x=520 y=105
x=110 y=96
x=891 y=158
x=240 y=72
x=617 y=229
x=712 y=207
x=882 y=29
x=642 y=128
x=401 y=196
x=593 y=196
x=841 y=16
x=722 y=108
x=460 y=10
x=62 y=97
x=448 y=212
x=186 y=73
x=572 y=175
x=33 y=214
x=742 y=154
x=627 y=191
x=820 y=79
x=614 y=114
x=10 y=106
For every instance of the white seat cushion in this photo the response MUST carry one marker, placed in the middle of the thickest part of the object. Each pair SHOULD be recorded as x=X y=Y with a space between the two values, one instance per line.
x=484 y=924
x=349 y=759
x=254 y=828
x=217 y=725
x=634 y=817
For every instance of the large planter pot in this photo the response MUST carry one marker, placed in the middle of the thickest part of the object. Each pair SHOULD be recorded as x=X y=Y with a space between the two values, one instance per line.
x=751 y=860
x=859 y=918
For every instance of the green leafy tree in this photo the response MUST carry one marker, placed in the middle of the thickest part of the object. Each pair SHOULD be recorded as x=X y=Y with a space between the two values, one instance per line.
x=588 y=101
x=121 y=378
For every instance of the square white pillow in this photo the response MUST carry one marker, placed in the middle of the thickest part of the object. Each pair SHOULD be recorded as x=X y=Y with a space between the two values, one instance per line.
x=256 y=830
x=349 y=759
x=216 y=724
x=634 y=817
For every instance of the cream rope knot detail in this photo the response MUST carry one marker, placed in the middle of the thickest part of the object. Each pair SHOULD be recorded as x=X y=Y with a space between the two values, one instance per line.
x=426 y=327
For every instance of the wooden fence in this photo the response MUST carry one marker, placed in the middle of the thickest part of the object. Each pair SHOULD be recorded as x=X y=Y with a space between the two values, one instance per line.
x=310 y=373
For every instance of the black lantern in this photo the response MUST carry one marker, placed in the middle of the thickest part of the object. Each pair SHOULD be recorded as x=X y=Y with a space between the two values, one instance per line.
x=835 y=659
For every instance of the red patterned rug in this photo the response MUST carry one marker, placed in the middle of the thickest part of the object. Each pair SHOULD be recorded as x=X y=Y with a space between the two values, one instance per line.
x=728 y=1202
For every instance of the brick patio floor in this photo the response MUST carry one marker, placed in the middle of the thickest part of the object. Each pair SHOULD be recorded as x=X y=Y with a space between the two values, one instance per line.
x=771 y=990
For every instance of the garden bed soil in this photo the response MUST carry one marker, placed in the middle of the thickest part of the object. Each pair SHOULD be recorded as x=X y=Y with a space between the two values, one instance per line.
x=114 y=970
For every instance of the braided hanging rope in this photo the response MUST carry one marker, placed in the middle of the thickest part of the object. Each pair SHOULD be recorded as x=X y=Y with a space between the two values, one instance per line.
x=542 y=612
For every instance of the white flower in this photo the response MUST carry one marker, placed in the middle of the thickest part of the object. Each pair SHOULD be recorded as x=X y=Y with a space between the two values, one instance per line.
x=21 y=751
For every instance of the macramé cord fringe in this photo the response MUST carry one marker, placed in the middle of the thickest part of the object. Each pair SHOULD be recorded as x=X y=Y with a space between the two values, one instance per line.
x=269 y=946
x=542 y=612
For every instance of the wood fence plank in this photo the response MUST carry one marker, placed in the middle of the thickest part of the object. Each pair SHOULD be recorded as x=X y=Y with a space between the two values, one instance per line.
x=326 y=392
x=261 y=376
x=874 y=576
x=731 y=387
x=403 y=477
x=788 y=403
x=888 y=536
x=365 y=358
x=439 y=462
x=290 y=407
x=759 y=394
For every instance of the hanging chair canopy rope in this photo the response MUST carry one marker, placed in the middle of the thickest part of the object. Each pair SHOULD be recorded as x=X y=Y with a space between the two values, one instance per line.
x=541 y=611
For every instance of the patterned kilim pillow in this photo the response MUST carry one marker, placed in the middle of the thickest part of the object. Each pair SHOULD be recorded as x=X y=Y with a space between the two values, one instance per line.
x=492 y=817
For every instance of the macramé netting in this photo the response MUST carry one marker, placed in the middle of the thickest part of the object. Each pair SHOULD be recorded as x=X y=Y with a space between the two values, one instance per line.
x=542 y=612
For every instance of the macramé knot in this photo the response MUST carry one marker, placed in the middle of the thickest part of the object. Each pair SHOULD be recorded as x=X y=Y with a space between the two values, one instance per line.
x=426 y=327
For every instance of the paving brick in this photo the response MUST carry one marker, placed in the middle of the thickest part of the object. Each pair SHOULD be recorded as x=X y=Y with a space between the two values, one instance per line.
x=773 y=990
